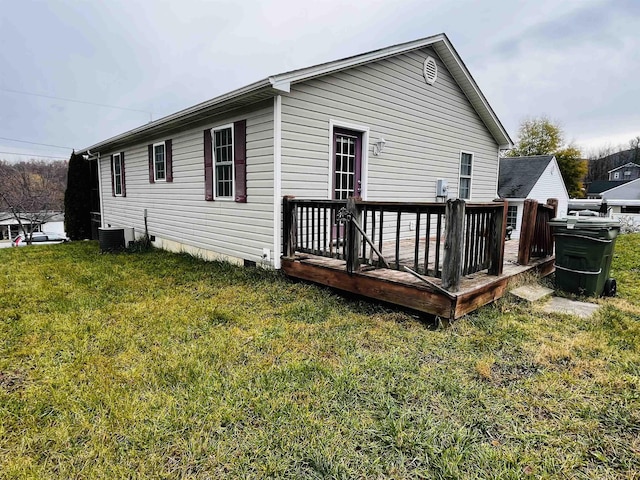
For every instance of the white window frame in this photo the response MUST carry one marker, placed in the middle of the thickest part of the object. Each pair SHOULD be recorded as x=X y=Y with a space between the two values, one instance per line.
x=511 y=208
x=117 y=157
x=233 y=163
x=364 y=160
x=616 y=175
x=460 y=176
x=164 y=152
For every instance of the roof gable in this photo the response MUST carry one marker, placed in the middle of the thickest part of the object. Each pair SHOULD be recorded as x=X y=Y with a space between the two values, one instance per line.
x=518 y=175
x=626 y=165
x=281 y=83
x=623 y=186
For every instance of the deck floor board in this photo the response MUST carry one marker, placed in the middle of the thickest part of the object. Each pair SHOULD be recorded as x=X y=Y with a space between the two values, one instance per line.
x=402 y=288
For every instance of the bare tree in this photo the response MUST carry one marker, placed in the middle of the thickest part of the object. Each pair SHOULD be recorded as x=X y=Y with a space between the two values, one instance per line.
x=32 y=191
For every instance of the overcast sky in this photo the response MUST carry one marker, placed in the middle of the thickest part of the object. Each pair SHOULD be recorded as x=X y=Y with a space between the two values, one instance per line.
x=578 y=62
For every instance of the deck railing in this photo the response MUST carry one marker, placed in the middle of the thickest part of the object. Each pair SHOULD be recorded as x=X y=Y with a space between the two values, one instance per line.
x=443 y=240
x=536 y=239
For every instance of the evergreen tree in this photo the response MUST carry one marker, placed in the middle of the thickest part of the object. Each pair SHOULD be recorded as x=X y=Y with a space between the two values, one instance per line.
x=77 y=199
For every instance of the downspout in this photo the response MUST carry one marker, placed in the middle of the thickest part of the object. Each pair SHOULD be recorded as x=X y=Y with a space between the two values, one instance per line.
x=277 y=180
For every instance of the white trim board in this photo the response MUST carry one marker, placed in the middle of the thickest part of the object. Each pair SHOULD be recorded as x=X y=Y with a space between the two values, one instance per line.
x=277 y=180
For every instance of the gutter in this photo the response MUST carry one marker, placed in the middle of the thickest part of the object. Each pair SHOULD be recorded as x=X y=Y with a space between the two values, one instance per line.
x=167 y=121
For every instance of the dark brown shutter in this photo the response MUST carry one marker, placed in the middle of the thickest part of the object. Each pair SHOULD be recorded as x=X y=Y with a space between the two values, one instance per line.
x=124 y=183
x=208 y=166
x=240 y=159
x=168 y=155
x=113 y=181
x=151 y=175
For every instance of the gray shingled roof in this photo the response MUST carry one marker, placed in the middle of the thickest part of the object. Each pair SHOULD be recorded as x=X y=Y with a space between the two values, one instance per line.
x=518 y=175
x=598 y=186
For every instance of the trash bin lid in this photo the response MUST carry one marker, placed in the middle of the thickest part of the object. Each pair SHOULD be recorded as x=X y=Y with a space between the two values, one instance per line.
x=585 y=223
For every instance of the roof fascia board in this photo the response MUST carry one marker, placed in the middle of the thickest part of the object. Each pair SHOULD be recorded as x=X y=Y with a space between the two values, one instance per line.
x=280 y=83
x=437 y=42
x=176 y=117
x=628 y=164
x=506 y=142
x=303 y=74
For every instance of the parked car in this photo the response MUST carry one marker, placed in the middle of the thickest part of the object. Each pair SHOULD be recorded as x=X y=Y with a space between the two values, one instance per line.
x=39 y=238
x=583 y=213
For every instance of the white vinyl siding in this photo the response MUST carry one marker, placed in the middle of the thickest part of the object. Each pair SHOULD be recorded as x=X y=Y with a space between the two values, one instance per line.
x=425 y=128
x=551 y=185
x=178 y=211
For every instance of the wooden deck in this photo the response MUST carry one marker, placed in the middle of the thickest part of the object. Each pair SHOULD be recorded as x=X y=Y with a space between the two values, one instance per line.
x=402 y=288
x=445 y=259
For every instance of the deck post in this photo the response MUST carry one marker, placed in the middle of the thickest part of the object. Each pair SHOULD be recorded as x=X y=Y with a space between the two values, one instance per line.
x=289 y=226
x=496 y=238
x=453 y=245
x=354 y=238
x=527 y=230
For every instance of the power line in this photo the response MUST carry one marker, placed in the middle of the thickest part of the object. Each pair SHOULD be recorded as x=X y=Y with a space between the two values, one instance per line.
x=33 y=155
x=35 y=143
x=74 y=101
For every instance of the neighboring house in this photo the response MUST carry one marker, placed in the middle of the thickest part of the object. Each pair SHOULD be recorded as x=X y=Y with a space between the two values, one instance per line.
x=537 y=177
x=621 y=202
x=620 y=198
x=55 y=224
x=596 y=188
x=384 y=125
x=628 y=171
x=10 y=228
x=623 y=198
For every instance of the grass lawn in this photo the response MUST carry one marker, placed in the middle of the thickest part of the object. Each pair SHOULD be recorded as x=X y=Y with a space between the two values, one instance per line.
x=163 y=366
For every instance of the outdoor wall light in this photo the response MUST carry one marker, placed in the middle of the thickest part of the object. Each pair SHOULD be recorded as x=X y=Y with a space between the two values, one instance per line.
x=378 y=146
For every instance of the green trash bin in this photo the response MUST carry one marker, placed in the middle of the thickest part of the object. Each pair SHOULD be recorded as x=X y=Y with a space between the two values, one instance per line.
x=584 y=250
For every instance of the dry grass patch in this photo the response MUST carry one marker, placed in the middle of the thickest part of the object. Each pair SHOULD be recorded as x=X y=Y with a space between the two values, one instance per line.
x=163 y=366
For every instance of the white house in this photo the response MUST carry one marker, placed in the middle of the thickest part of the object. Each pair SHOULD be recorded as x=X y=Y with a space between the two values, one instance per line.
x=384 y=125
x=538 y=178
x=10 y=227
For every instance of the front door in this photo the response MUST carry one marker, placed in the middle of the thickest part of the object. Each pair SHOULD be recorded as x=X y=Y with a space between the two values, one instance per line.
x=347 y=163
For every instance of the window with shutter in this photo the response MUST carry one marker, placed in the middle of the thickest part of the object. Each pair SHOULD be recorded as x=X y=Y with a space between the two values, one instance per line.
x=160 y=158
x=225 y=155
x=223 y=161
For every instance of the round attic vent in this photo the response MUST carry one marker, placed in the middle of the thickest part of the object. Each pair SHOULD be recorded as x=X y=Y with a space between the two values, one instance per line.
x=430 y=70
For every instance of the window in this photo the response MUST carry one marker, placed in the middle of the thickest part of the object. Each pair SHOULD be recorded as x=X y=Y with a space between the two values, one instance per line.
x=117 y=174
x=627 y=173
x=616 y=175
x=512 y=216
x=466 y=162
x=223 y=161
x=159 y=162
